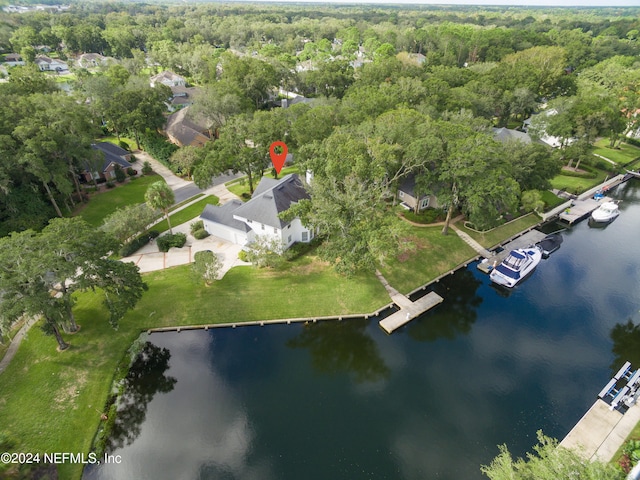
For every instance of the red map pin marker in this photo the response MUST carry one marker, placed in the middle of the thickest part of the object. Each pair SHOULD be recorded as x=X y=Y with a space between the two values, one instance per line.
x=278 y=159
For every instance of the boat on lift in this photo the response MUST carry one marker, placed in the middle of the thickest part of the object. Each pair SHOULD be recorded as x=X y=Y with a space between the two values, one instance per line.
x=550 y=244
x=516 y=266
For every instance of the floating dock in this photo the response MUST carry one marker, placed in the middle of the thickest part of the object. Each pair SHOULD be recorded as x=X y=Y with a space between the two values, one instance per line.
x=409 y=310
x=525 y=240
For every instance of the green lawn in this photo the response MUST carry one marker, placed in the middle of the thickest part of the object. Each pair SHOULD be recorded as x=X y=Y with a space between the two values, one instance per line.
x=577 y=184
x=433 y=255
x=621 y=155
x=186 y=214
x=550 y=200
x=501 y=233
x=113 y=139
x=240 y=186
x=130 y=193
x=51 y=401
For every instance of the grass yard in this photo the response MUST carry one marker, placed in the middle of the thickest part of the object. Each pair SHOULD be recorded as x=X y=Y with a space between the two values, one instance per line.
x=577 y=184
x=186 y=214
x=113 y=139
x=434 y=254
x=51 y=402
x=621 y=155
x=102 y=204
x=240 y=186
x=503 y=232
x=550 y=200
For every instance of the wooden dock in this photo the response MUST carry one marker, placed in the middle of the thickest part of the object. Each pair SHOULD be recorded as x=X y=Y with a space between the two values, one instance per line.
x=525 y=240
x=580 y=209
x=409 y=310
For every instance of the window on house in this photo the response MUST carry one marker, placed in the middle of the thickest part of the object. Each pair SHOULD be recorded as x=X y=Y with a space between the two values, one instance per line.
x=305 y=236
x=401 y=194
x=262 y=226
x=275 y=230
x=424 y=203
x=289 y=239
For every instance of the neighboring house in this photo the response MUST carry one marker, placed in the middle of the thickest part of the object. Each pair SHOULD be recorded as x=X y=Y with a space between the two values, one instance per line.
x=181 y=96
x=46 y=64
x=13 y=60
x=505 y=135
x=293 y=99
x=410 y=200
x=550 y=140
x=92 y=60
x=169 y=79
x=182 y=131
x=241 y=223
x=113 y=155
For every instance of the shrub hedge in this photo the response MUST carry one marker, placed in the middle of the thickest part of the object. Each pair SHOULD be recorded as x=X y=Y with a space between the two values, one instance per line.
x=158 y=147
x=200 y=234
x=167 y=241
x=134 y=245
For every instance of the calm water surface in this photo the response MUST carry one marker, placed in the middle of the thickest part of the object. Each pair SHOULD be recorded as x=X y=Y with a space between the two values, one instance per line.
x=342 y=400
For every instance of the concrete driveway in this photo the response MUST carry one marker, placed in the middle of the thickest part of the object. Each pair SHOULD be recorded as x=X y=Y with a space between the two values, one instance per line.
x=149 y=258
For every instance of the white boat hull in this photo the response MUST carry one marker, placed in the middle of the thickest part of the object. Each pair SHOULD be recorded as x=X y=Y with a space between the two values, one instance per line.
x=518 y=265
x=607 y=212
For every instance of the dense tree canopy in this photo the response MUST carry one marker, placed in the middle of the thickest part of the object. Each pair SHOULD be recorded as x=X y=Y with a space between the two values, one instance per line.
x=40 y=272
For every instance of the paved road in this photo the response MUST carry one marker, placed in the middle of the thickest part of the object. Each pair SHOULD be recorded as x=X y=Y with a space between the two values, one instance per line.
x=182 y=189
x=190 y=190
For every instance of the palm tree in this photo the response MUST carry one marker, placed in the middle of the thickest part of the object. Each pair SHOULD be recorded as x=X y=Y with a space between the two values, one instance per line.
x=160 y=196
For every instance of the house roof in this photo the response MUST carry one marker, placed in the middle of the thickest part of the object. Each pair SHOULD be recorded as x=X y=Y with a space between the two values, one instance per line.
x=504 y=135
x=51 y=61
x=224 y=215
x=112 y=154
x=180 y=127
x=275 y=197
x=168 y=76
x=408 y=186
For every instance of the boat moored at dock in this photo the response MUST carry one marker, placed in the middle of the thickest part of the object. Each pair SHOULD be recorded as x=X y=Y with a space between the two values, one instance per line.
x=606 y=213
x=516 y=266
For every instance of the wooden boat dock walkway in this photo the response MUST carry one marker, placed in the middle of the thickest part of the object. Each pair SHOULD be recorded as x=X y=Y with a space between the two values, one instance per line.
x=525 y=240
x=580 y=209
x=408 y=309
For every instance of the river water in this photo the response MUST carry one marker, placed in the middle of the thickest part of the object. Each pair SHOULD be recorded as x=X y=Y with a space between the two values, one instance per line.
x=345 y=401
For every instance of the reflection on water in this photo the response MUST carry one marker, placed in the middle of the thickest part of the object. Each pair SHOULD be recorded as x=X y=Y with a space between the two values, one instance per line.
x=626 y=345
x=456 y=315
x=145 y=378
x=342 y=347
x=345 y=401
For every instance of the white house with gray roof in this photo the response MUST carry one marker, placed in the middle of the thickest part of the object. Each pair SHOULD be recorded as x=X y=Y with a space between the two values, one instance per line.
x=241 y=223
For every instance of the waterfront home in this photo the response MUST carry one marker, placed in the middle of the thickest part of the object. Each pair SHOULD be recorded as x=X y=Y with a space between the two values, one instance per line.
x=241 y=223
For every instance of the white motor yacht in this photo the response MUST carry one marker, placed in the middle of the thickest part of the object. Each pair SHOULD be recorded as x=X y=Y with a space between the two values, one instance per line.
x=606 y=212
x=518 y=264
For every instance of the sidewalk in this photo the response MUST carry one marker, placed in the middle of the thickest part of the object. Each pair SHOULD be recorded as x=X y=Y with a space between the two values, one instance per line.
x=15 y=343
